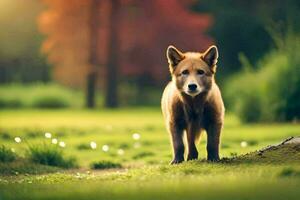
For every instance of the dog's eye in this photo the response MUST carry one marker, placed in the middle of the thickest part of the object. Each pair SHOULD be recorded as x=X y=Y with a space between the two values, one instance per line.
x=200 y=72
x=185 y=72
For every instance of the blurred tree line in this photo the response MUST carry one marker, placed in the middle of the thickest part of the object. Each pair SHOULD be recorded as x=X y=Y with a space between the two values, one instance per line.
x=270 y=91
x=123 y=52
x=106 y=43
x=20 y=41
x=242 y=27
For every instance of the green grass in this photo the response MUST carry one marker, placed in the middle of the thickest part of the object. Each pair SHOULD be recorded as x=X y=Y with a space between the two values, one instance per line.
x=49 y=155
x=6 y=154
x=145 y=171
x=105 y=165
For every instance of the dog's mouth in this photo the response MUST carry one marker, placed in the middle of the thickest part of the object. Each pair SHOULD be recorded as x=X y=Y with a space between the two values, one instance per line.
x=192 y=92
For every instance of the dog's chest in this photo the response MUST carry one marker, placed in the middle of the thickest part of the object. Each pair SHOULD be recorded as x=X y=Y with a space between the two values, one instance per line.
x=194 y=113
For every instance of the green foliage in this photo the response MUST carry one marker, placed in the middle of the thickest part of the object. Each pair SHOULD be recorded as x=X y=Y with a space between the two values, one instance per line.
x=20 y=43
x=272 y=92
x=50 y=155
x=6 y=154
x=105 y=165
x=39 y=95
x=50 y=102
x=10 y=103
x=252 y=39
x=139 y=95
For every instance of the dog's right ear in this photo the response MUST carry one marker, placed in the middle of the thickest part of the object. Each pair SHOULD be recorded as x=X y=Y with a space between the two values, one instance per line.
x=174 y=57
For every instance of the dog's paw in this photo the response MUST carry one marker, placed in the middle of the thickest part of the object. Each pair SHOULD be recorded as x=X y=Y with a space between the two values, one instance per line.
x=192 y=157
x=213 y=159
x=176 y=161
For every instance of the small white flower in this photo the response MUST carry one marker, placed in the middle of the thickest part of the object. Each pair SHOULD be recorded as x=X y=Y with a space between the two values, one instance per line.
x=93 y=145
x=62 y=144
x=54 y=141
x=137 y=145
x=105 y=148
x=18 y=139
x=48 y=135
x=121 y=152
x=244 y=144
x=136 y=136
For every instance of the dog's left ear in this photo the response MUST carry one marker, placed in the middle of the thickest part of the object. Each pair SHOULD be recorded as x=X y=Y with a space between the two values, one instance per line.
x=211 y=56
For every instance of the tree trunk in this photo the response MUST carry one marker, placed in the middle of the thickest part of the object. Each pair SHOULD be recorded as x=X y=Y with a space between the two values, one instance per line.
x=93 y=54
x=111 y=98
x=91 y=90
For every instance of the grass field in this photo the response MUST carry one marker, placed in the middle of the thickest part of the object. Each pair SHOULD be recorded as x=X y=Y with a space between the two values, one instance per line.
x=136 y=139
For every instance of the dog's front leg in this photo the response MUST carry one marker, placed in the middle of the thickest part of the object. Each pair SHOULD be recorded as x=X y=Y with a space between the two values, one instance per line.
x=213 y=141
x=177 y=142
x=193 y=133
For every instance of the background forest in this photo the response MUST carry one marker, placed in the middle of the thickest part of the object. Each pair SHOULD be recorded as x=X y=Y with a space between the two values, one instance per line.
x=80 y=89
x=91 y=53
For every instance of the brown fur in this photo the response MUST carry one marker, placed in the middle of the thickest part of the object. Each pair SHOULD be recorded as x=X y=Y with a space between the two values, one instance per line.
x=193 y=111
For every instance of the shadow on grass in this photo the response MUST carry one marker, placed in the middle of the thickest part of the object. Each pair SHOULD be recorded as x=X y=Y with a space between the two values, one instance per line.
x=23 y=166
x=105 y=165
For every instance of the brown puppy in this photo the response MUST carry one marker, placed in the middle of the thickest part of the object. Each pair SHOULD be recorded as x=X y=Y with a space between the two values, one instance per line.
x=192 y=102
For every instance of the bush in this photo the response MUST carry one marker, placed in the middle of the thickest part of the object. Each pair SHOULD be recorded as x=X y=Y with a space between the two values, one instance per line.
x=6 y=154
x=10 y=103
x=39 y=95
x=50 y=155
x=272 y=92
x=105 y=165
x=50 y=102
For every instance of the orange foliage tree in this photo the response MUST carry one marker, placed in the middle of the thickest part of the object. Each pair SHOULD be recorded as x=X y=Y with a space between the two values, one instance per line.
x=117 y=39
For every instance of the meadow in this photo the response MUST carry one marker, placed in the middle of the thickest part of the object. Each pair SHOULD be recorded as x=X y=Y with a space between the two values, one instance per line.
x=134 y=147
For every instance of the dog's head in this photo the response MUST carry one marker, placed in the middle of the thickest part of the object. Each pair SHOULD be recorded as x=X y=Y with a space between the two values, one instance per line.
x=192 y=72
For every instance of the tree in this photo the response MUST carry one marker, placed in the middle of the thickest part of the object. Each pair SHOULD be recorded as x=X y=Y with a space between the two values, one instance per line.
x=93 y=54
x=112 y=61
x=126 y=39
x=72 y=42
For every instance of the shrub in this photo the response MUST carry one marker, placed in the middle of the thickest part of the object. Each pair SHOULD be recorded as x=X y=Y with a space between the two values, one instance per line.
x=105 y=165
x=50 y=102
x=272 y=92
x=6 y=154
x=50 y=155
x=39 y=95
x=10 y=102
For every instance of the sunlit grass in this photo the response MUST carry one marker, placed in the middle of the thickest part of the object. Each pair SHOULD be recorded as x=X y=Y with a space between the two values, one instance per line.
x=141 y=145
x=121 y=135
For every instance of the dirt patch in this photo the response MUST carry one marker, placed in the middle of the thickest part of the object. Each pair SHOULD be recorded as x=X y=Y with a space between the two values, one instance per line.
x=287 y=151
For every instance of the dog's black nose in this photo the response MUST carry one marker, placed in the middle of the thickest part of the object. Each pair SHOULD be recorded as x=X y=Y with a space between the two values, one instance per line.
x=192 y=87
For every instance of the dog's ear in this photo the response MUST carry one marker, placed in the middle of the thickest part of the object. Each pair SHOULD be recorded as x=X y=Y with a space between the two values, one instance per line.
x=211 y=55
x=174 y=57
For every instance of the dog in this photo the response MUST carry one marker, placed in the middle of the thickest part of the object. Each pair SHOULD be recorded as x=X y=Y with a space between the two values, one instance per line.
x=192 y=102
